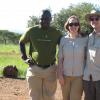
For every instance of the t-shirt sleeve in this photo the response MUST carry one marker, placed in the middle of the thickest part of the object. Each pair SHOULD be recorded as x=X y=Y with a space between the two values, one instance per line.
x=25 y=37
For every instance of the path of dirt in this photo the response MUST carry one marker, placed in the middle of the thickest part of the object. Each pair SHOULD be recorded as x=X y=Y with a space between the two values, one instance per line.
x=13 y=89
x=16 y=89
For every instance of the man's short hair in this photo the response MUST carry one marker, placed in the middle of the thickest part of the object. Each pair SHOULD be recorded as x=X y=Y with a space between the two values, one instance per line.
x=46 y=11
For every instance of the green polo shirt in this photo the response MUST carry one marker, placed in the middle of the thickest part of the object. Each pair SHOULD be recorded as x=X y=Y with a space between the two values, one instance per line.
x=43 y=42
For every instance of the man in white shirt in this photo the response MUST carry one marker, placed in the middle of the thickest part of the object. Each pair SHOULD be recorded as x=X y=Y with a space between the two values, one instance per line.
x=92 y=70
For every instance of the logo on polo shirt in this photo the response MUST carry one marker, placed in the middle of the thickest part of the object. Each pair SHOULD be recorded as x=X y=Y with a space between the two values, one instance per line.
x=43 y=40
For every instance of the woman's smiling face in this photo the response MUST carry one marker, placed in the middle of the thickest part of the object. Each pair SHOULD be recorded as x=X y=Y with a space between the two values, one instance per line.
x=73 y=25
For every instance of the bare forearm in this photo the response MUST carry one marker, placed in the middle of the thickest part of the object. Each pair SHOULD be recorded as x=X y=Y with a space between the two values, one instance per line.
x=60 y=72
x=23 y=50
x=60 y=67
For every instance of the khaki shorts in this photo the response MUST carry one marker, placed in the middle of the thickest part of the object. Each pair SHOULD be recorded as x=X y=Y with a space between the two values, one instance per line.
x=42 y=82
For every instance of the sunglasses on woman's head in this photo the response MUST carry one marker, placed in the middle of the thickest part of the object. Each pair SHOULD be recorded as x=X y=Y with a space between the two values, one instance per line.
x=73 y=24
x=94 y=18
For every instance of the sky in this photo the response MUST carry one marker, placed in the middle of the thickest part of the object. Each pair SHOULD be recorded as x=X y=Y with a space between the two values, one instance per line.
x=14 y=14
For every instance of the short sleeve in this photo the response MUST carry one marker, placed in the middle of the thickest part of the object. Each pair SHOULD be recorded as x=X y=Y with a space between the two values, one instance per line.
x=25 y=37
x=60 y=52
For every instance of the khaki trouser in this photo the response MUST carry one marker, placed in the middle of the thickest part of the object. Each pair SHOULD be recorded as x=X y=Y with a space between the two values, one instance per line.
x=42 y=82
x=73 y=88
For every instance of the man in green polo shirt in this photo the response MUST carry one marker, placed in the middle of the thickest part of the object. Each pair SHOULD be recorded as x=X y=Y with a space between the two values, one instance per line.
x=41 y=74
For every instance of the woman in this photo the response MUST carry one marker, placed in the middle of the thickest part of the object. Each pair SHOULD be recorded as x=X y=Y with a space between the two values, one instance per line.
x=71 y=59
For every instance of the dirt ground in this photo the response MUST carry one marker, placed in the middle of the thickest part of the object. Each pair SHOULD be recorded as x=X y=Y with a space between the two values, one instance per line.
x=16 y=89
x=13 y=89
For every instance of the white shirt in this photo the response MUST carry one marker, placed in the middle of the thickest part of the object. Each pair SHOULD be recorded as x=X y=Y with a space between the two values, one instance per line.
x=93 y=58
x=73 y=52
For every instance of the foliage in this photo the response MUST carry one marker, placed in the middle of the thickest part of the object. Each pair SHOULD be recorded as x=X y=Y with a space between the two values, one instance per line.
x=79 y=10
x=7 y=37
x=10 y=55
x=33 y=21
x=60 y=18
x=10 y=71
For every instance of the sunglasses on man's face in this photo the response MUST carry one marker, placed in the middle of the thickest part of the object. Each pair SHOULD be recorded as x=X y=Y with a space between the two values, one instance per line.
x=94 y=18
x=73 y=24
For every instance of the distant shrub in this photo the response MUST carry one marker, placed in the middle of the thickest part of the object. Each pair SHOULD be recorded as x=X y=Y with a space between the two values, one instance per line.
x=10 y=71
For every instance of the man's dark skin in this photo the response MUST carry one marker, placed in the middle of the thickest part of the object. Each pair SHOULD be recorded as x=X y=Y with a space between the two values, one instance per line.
x=41 y=73
x=44 y=24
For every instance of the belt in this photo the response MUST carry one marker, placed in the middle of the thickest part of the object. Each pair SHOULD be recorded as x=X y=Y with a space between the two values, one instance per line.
x=45 y=66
